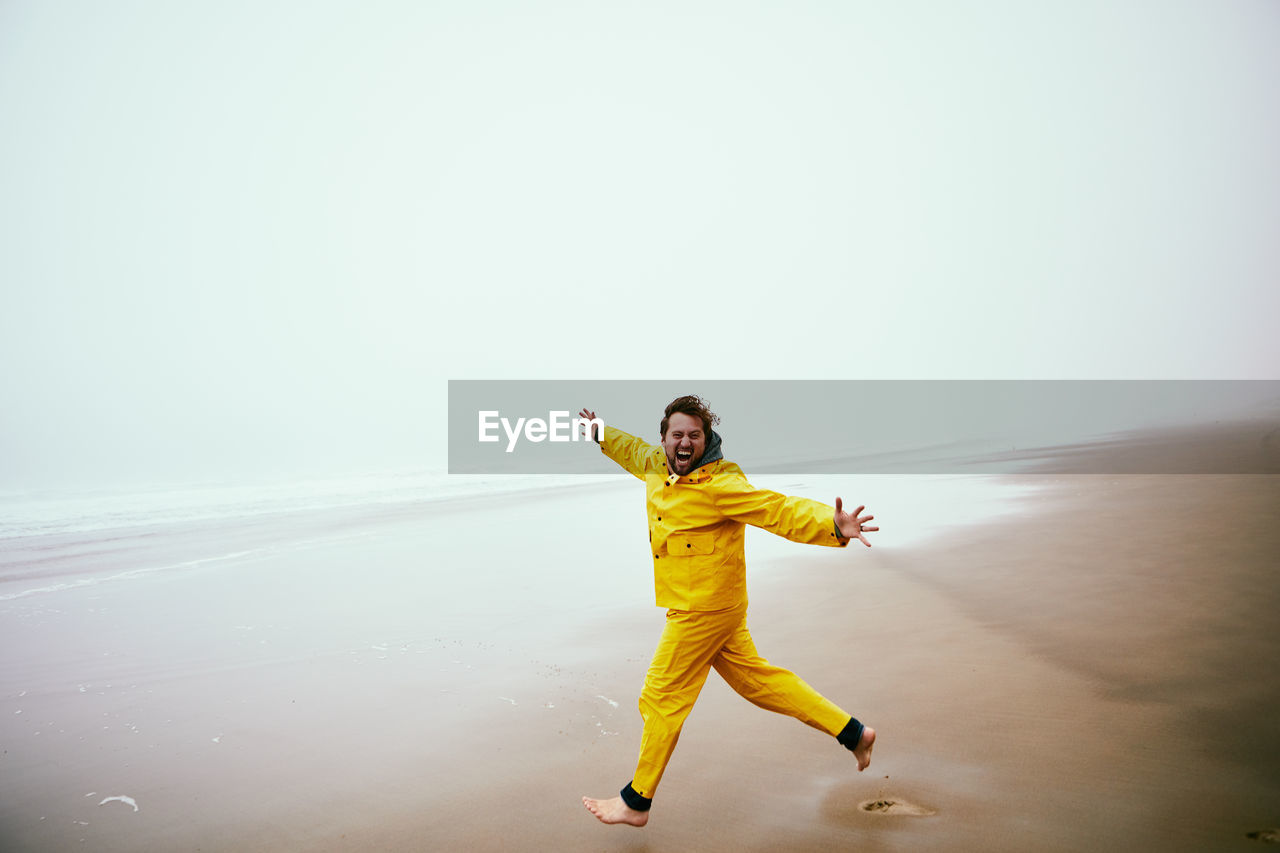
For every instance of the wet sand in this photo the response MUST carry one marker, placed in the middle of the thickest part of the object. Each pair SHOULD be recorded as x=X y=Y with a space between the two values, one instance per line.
x=1099 y=670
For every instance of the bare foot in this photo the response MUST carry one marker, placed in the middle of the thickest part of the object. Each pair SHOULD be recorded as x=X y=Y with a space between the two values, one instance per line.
x=616 y=811
x=862 y=751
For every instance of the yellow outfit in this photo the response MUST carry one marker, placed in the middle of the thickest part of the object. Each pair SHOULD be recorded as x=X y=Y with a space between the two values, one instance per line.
x=696 y=533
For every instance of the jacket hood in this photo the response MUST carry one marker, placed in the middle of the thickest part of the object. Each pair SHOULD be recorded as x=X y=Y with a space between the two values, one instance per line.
x=711 y=453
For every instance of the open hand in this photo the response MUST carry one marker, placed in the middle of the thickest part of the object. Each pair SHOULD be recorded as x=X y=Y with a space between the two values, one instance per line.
x=851 y=526
x=593 y=431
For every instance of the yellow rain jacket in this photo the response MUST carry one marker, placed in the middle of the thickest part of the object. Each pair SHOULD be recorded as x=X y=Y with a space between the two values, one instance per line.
x=697 y=523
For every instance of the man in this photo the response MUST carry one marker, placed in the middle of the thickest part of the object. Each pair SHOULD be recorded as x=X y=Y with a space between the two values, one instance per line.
x=698 y=507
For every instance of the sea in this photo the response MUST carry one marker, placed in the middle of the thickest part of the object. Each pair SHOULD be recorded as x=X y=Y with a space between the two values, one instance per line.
x=58 y=539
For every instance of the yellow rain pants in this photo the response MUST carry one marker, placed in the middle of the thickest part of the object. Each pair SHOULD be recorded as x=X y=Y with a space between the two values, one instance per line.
x=694 y=642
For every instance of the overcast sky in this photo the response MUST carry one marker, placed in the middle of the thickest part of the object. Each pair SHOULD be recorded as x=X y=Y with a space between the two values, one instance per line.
x=257 y=238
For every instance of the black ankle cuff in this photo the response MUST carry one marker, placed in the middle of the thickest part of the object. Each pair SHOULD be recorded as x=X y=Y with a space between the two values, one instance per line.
x=850 y=734
x=634 y=800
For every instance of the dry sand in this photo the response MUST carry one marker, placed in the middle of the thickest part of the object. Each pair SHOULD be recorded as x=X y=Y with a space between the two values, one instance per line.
x=1102 y=670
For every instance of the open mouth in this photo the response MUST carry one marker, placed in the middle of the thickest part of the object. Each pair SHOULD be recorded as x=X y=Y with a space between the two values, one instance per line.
x=684 y=455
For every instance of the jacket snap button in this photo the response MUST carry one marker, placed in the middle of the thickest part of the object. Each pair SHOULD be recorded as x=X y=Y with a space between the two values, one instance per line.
x=688 y=545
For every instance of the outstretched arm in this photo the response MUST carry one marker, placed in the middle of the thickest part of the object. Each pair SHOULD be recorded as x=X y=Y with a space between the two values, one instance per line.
x=798 y=519
x=628 y=451
x=850 y=526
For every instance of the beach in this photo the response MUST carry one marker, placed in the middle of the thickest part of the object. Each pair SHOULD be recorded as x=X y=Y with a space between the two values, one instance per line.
x=1073 y=660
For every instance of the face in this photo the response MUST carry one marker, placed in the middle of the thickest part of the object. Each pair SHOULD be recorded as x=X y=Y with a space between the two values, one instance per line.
x=684 y=442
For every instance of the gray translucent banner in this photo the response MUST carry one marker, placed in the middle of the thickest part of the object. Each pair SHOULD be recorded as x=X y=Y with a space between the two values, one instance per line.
x=885 y=427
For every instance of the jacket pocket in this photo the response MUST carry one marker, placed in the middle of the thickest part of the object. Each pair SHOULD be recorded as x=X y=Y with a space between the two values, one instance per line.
x=690 y=544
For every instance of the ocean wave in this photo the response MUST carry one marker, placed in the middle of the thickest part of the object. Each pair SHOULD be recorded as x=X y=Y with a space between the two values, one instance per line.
x=34 y=514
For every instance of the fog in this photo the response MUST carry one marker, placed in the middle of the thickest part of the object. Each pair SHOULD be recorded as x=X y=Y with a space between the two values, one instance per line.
x=255 y=240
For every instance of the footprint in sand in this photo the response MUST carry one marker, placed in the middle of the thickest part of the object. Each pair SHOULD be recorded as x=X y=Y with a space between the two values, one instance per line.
x=844 y=804
x=895 y=807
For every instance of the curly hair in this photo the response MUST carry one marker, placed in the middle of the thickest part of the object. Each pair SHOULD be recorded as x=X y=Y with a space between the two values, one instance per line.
x=694 y=407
